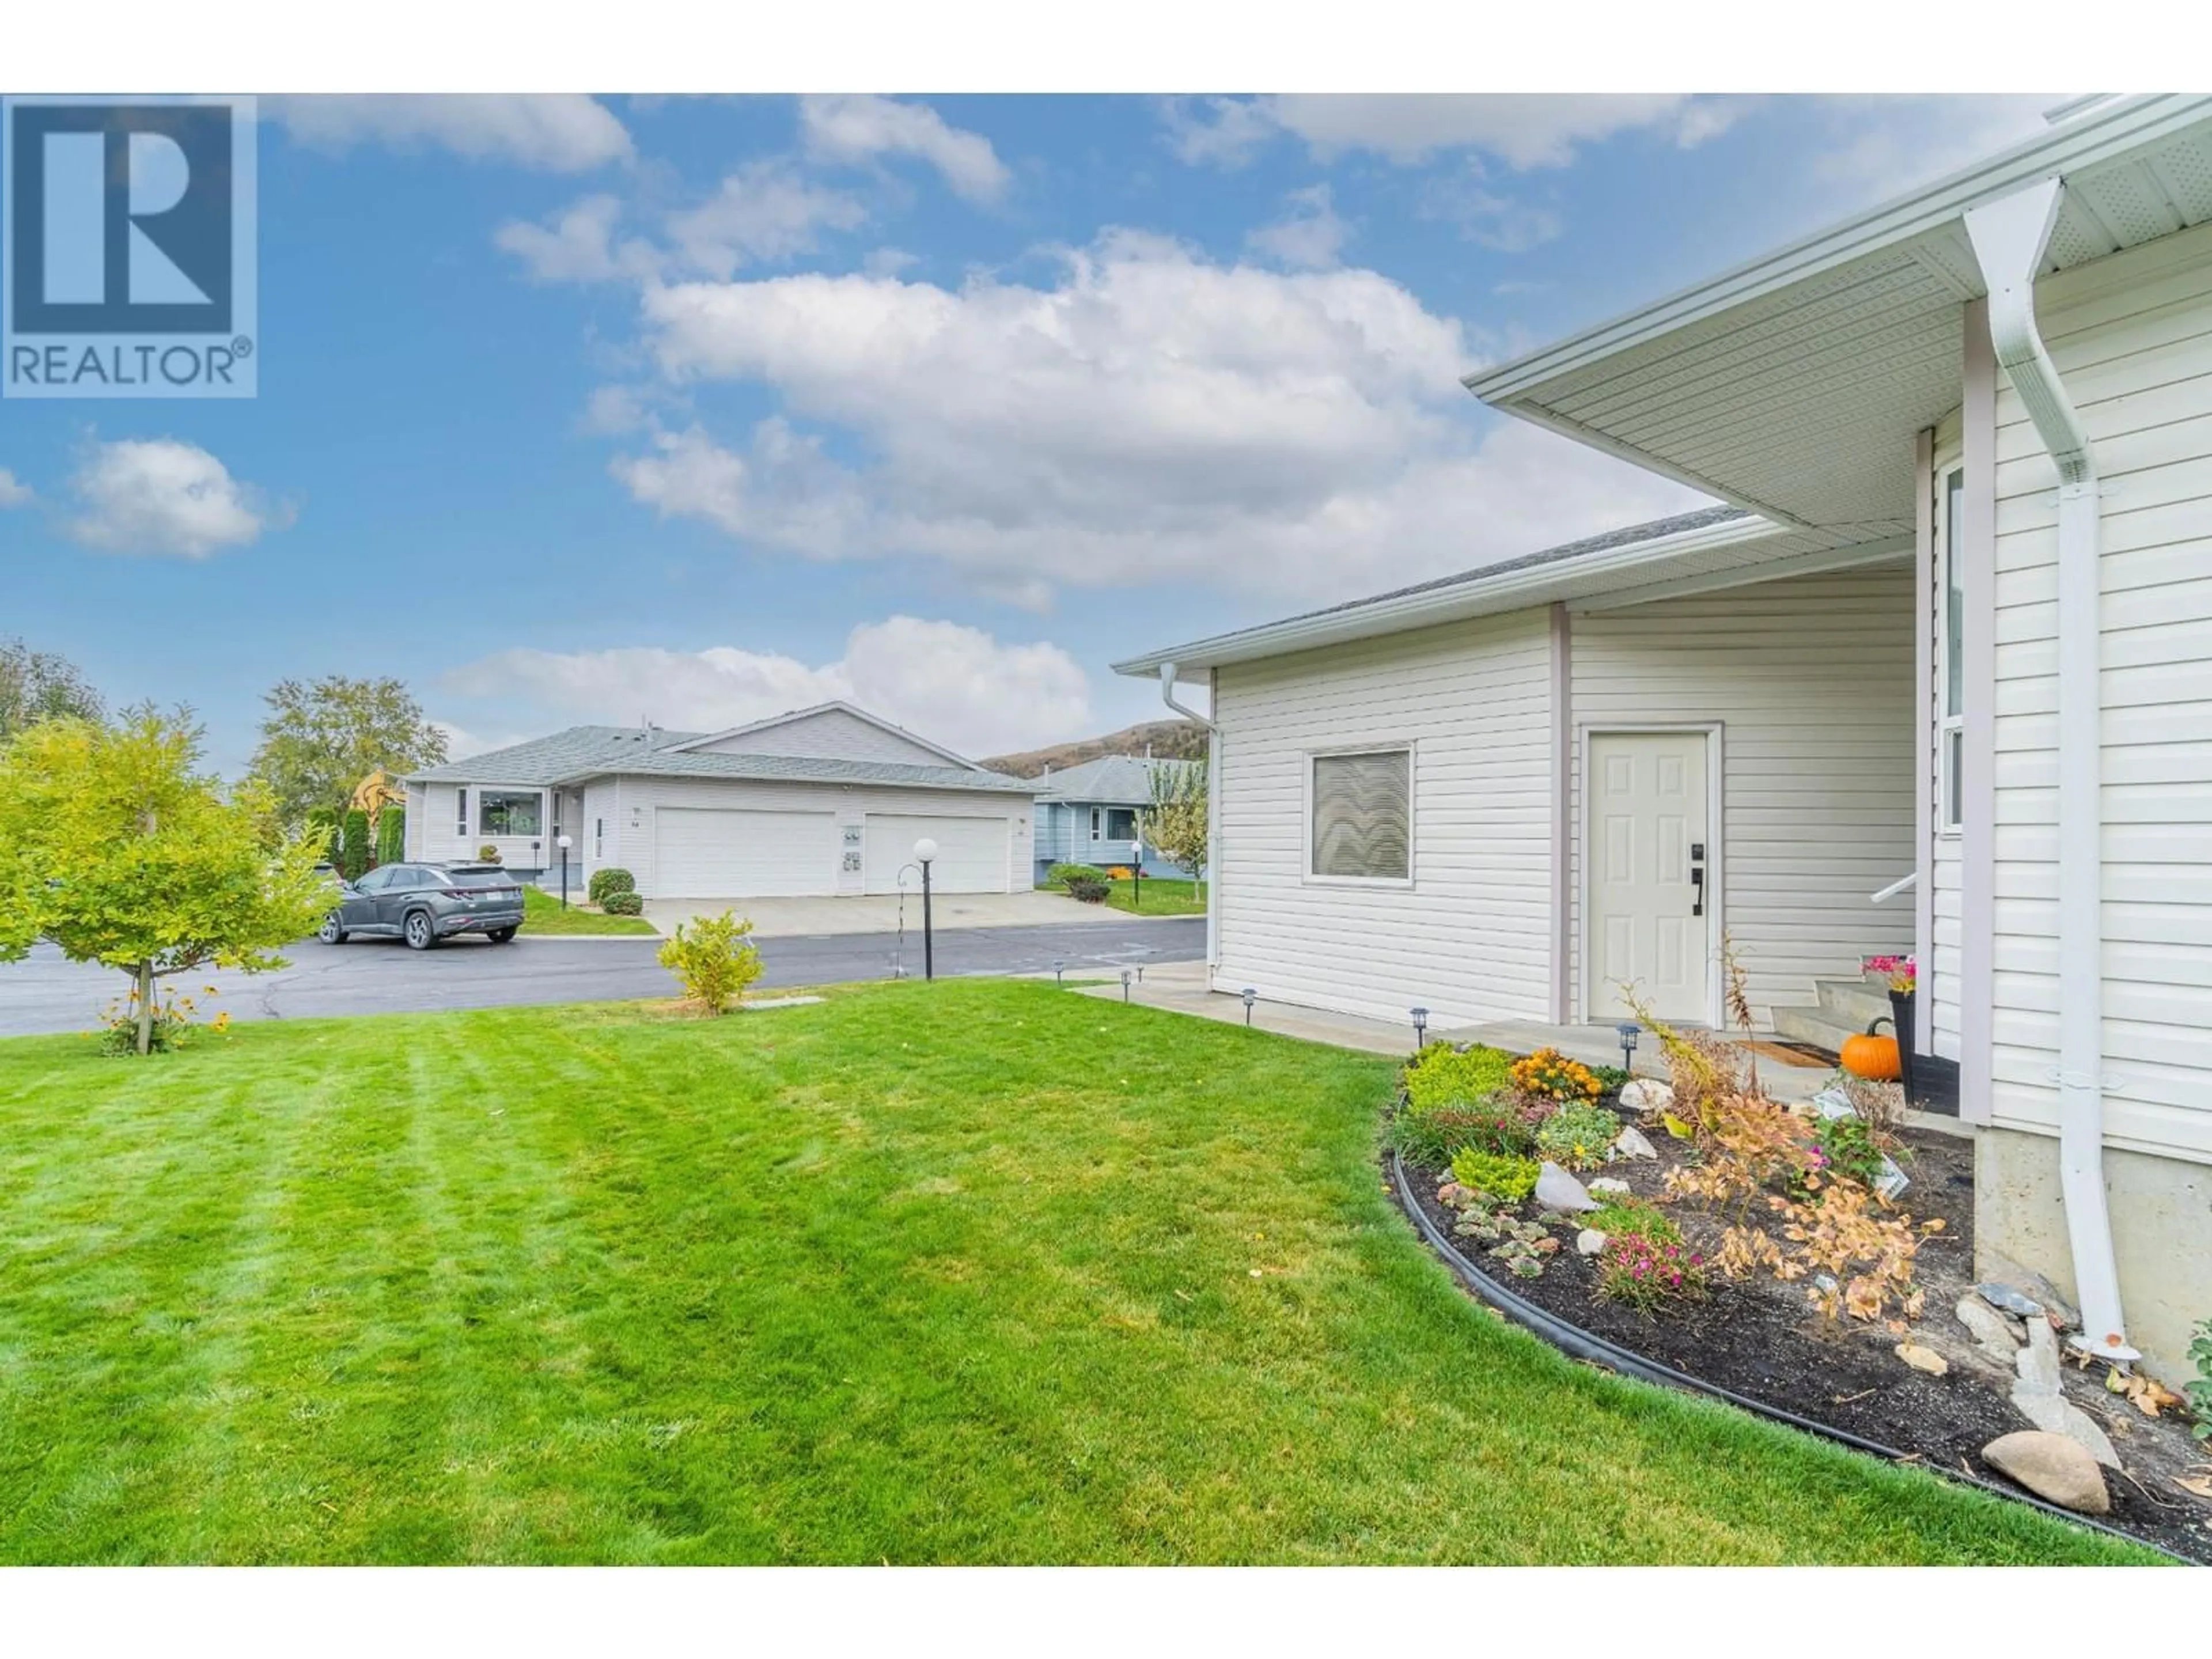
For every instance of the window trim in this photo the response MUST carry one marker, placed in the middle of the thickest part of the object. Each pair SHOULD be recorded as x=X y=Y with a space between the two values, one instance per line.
x=1307 y=877
x=1950 y=727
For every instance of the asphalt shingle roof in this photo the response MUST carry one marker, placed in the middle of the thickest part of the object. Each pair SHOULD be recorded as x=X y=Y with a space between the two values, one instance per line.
x=583 y=751
x=1115 y=779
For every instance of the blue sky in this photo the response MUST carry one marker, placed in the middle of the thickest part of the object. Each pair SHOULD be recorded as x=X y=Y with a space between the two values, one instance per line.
x=697 y=410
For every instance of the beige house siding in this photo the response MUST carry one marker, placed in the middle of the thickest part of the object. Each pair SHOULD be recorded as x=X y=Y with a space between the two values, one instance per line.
x=1811 y=680
x=2132 y=337
x=1471 y=937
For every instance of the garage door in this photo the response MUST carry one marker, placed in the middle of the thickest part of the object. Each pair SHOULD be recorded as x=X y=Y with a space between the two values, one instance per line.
x=705 y=853
x=971 y=852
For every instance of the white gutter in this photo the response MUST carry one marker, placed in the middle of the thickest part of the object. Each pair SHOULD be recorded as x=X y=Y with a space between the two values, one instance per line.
x=2009 y=236
x=1212 y=817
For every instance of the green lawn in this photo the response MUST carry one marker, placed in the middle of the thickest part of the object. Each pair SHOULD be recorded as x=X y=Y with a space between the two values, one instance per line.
x=542 y=913
x=1163 y=895
x=967 y=1271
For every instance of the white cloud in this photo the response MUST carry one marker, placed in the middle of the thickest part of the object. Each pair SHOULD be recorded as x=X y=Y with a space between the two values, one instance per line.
x=764 y=211
x=1506 y=224
x=1150 y=417
x=561 y=132
x=13 y=491
x=165 y=496
x=1523 y=129
x=1310 y=237
x=953 y=684
x=858 y=130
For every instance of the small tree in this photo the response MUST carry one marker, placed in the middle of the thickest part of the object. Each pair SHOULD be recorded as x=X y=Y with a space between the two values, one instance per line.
x=391 y=835
x=38 y=685
x=353 y=858
x=713 y=959
x=116 y=848
x=320 y=739
x=1176 y=824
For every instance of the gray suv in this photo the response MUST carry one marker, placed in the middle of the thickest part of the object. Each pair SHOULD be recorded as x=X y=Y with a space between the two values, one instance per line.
x=424 y=903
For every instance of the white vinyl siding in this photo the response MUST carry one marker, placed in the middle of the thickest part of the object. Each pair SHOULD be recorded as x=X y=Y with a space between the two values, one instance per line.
x=1811 y=681
x=832 y=734
x=1470 y=937
x=2132 y=337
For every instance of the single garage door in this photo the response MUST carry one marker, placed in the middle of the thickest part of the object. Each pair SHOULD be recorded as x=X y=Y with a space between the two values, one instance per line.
x=714 y=853
x=971 y=852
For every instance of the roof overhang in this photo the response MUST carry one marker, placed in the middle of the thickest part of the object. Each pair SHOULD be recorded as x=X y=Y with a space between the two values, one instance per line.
x=1730 y=555
x=1793 y=385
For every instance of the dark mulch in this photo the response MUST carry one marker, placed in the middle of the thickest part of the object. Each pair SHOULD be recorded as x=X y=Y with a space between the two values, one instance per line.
x=1759 y=1338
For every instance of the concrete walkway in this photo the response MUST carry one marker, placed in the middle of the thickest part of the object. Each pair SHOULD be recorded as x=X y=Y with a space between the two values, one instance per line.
x=879 y=913
x=1180 y=987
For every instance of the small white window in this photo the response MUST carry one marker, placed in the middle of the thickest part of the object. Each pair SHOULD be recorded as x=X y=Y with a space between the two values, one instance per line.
x=1097 y=824
x=1951 y=663
x=599 y=838
x=1363 y=816
x=461 y=813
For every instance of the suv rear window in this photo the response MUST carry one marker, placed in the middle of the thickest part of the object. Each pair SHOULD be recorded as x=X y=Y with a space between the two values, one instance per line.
x=480 y=878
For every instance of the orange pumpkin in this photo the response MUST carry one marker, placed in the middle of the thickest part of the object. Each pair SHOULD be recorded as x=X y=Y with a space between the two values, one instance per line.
x=1869 y=1056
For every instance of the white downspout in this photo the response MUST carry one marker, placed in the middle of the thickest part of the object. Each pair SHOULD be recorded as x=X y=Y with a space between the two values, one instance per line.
x=2009 y=238
x=1212 y=816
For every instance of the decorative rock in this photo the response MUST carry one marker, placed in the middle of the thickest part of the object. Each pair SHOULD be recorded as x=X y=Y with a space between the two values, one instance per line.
x=1609 y=1184
x=2042 y=1290
x=2012 y=1301
x=2051 y=1466
x=1631 y=1144
x=2036 y=1394
x=1644 y=1094
x=1590 y=1242
x=1557 y=1190
x=1992 y=1331
x=1923 y=1358
x=1825 y=1282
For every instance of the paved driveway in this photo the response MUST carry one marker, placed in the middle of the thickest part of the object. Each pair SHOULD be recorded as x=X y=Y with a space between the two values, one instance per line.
x=820 y=918
x=371 y=976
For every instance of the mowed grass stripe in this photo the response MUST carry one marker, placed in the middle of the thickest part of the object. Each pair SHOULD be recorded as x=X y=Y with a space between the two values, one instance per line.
x=951 y=1273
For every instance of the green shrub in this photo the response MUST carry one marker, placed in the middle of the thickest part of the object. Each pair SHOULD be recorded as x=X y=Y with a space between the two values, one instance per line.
x=2200 y=1391
x=1847 y=1147
x=610 y=880
x=390 y=835
x=353 y=846
x=1433 y=1137
x=1649 y=1273
x=1507 y=1180
x=1578 y=1137
x=1061 y=874
x=1440 y=1075
x=324 y=821
x=625 y=902
x=1633 y=1215
x=1090 y=889
x=713 y=959
x=1611 y=1079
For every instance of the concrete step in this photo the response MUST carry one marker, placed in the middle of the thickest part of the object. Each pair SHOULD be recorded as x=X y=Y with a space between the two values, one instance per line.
x=1813 y=1025
x=1852 y=1002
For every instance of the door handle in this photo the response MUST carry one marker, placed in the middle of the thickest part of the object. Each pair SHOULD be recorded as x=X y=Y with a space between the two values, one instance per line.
x=1698 y=882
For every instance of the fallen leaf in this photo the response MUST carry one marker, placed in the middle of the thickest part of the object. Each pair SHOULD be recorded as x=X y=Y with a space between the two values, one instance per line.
x=2201 y=1485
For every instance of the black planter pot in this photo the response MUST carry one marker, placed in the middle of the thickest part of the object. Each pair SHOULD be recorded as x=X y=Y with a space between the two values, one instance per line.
x=1900 y=1009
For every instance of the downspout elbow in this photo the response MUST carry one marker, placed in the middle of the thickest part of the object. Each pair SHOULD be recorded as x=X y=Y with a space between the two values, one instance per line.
x=1168 y=696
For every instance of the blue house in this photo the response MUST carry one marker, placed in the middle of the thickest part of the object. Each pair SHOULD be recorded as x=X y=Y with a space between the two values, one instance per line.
x=1088 y=815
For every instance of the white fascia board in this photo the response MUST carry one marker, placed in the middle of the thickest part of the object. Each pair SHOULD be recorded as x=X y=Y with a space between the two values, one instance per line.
x=2101 y=136
x=1395 y=614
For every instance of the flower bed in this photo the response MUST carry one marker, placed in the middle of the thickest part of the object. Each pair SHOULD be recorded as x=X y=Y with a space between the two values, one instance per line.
x=1745 y=1245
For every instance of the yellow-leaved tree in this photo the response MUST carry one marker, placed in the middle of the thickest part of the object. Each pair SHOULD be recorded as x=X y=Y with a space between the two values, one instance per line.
x=116 y=847
x=714 y=959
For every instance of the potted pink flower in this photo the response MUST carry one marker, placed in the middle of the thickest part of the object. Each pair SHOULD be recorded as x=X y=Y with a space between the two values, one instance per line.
x=1903 y=973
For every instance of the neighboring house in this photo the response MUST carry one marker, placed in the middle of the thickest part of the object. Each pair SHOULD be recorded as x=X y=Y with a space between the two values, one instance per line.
x=1088 y=814
x=824 y=801
x=1950 y=642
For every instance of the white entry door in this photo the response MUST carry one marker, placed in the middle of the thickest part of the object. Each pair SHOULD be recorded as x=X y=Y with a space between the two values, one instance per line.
x=971 y=852
x=1650 y=898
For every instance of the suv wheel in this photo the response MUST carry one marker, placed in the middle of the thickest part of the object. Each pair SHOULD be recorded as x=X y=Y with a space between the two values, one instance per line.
x=419 y=933
x=500 y=935
x=332 y=932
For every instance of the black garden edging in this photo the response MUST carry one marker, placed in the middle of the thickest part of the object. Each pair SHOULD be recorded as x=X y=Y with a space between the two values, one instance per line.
x=1579 y=1344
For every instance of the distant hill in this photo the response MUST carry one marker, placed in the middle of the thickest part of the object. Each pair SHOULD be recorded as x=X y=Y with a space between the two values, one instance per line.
x=1169 y=740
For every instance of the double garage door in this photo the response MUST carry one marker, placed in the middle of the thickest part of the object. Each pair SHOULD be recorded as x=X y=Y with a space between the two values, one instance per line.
x=724 y=853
